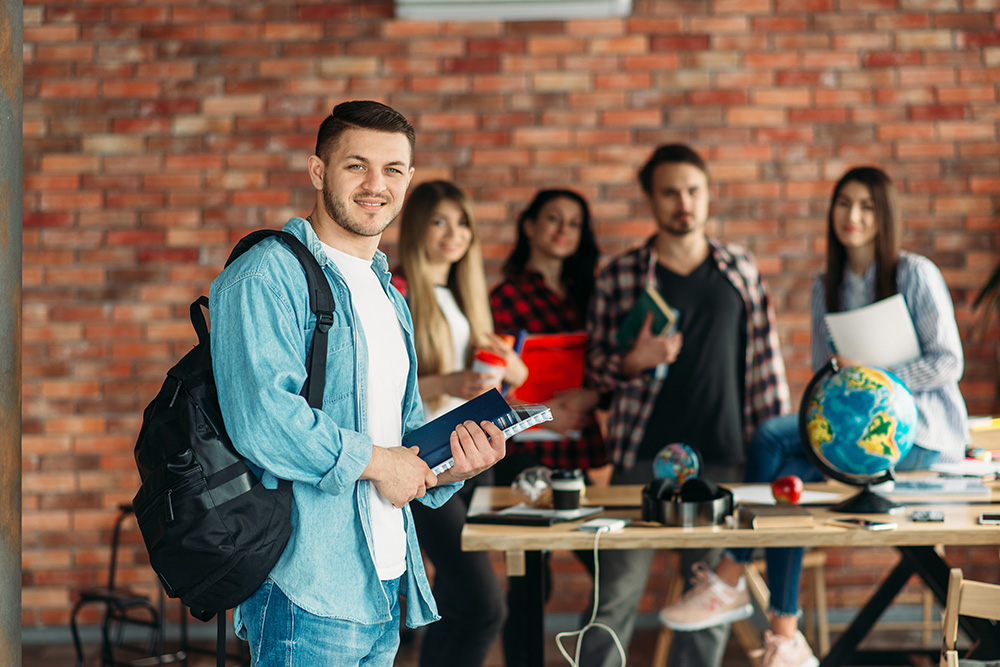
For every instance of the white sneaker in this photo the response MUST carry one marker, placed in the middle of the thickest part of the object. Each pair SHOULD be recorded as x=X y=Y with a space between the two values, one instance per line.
x=708 y=603
x=780 y=651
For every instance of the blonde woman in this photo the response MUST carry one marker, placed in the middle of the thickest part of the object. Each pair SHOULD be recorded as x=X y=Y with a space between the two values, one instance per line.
x=443 y=280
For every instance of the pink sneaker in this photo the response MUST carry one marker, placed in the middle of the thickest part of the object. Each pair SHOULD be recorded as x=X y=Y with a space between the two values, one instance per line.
x=782 y=651
x=708 y=603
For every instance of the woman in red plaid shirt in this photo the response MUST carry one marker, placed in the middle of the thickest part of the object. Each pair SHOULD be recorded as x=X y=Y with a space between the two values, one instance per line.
x=548 y=280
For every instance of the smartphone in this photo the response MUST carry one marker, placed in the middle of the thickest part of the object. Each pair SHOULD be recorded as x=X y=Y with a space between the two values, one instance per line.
x=864 y=524
x=927 y=516
x=603 y=525
x=990 y=518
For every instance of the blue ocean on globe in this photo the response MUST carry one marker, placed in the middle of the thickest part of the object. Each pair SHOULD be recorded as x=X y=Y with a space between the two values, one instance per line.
x=861 y=421
x=678 y=463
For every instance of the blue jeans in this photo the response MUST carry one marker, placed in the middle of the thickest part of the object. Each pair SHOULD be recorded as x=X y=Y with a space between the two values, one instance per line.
x=775 y=451
x=282 y=634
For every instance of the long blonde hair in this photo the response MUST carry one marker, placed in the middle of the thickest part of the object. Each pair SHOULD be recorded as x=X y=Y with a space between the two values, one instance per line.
x=466 y=279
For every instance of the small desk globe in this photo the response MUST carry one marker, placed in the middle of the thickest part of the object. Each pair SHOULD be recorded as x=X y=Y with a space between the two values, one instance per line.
x=677 y=462
x=856 y=423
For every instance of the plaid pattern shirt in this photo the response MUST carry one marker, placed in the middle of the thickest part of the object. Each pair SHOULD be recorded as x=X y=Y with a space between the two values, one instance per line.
x=618 y=286
x=524 y=303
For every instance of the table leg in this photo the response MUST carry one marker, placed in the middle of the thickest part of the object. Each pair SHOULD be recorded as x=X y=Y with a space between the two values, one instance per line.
x=843 y=649
x=932 y=569
x=534 y=610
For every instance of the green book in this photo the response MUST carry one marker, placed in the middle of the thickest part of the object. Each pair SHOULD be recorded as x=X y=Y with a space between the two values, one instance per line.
x=650 y=301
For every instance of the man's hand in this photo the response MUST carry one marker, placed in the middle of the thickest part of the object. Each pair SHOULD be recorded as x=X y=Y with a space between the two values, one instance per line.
x=475 y=449
x=651 y=350
x=571 y=409
x=399 y=474
x=601 y=476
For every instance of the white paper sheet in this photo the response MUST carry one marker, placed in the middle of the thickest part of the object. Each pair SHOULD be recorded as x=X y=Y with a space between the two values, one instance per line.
x=881 y=334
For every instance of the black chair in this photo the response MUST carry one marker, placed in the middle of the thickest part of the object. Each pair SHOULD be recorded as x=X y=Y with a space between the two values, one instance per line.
x=124 y=607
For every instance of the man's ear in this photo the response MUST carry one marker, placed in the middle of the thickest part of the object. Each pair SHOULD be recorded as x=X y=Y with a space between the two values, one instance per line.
x=317 y=170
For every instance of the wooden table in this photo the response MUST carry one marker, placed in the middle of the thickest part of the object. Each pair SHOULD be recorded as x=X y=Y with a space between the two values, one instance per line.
x=523 y=546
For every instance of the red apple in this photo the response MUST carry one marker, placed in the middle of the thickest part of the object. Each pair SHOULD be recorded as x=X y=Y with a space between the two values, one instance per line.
x=787 y=489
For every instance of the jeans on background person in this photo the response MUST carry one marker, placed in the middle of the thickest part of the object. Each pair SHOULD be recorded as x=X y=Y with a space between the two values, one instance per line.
x=775 y=451
x=469 y=597
x=282 y=634
x=623 y=577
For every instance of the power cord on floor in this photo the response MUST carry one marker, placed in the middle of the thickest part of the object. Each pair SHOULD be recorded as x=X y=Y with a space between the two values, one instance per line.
x=575 y=660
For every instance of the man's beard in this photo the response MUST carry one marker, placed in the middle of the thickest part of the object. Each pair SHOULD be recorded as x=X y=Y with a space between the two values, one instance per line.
x=678 y=228
x=338 y=212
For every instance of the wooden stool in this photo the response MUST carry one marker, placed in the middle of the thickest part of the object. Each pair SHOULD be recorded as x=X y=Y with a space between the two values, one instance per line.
x=817 y=625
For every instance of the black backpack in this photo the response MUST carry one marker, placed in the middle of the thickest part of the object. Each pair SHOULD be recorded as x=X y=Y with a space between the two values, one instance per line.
x=213 y=532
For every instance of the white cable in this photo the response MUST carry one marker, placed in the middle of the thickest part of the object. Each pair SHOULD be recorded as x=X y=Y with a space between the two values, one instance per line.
x=575 y=661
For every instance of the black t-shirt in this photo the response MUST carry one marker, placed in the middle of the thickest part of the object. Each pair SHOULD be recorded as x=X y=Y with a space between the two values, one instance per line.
x=701 y=401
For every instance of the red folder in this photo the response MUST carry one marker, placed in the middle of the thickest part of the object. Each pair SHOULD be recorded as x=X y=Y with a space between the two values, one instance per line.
x=554 y=361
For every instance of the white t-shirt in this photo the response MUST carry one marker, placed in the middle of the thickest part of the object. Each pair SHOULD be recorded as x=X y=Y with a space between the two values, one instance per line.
x=387 y=368
x=460 y=335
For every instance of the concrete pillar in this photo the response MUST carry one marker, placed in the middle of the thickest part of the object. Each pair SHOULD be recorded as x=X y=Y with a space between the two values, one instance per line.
x=11 y=25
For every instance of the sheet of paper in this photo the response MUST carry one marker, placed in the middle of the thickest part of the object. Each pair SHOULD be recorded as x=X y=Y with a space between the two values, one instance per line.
x=968 y=468
x=760 y=494
x=881 y=334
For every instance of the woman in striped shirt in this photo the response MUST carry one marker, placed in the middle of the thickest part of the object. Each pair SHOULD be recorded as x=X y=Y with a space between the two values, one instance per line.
x=864 y=264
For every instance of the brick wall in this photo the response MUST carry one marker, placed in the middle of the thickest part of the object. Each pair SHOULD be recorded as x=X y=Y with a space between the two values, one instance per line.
x=156 y=133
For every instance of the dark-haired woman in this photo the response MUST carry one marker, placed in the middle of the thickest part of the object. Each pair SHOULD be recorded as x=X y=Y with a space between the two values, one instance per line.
x=548 y=280
x=864 y=264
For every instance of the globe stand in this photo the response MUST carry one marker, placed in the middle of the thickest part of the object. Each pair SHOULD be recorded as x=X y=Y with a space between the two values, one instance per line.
x=867 y=501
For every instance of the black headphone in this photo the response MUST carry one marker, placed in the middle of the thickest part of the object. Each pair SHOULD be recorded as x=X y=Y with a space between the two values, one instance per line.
x=698 y=502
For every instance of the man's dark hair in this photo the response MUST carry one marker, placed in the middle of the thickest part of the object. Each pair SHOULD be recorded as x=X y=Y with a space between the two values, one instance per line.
x=362 y=115
x=669 y=154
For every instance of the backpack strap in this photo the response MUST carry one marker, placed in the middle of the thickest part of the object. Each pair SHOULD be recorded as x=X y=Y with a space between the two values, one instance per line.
x=320 y=302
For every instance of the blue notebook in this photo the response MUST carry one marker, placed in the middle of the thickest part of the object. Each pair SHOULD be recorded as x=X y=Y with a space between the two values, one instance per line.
x=434 y=437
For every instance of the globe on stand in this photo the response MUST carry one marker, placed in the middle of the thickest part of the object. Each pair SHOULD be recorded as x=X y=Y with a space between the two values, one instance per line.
x=856 y=423
x=677 y=463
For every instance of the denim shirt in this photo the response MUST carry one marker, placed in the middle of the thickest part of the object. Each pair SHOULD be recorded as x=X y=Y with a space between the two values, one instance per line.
x=261 y=331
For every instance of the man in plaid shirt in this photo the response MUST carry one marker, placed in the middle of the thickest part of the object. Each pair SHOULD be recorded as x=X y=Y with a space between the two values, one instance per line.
x=709 y=384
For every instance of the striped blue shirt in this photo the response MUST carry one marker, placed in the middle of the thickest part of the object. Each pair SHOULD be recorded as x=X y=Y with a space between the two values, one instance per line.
x=933 y=377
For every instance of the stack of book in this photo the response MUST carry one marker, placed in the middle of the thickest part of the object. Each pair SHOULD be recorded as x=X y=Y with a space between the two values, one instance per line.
x=768 y=517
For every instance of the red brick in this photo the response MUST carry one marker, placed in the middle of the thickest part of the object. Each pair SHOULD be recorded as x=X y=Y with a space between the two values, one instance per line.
x=657 y=61
x=782 y=97
x=891 y=58
x=756 y=117
x=979 y=39
x=679 y=42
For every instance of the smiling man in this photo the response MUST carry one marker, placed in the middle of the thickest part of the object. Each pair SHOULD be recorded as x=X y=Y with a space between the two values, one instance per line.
x=333 y=596
x=725 y=376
